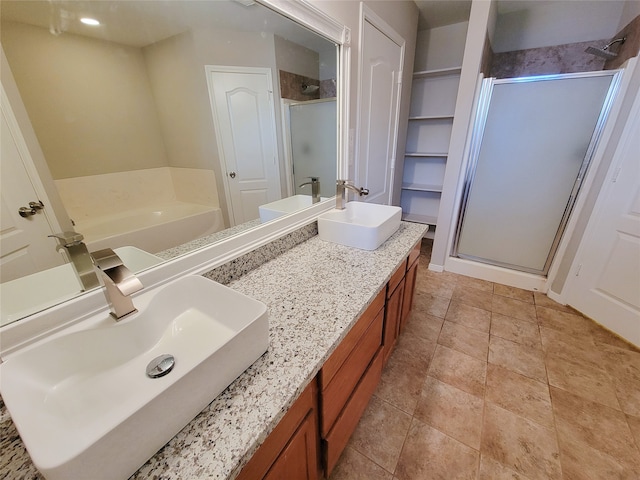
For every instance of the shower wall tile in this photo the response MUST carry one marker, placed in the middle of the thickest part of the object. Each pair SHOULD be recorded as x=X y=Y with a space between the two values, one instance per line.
x=630 y=48
x=328 y=88
x=568 y=58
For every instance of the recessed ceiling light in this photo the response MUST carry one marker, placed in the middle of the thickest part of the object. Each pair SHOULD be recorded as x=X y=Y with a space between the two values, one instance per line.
x=90 y=21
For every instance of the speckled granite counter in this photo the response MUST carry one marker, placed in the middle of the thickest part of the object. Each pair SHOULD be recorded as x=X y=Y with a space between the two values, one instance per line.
x=315 y=292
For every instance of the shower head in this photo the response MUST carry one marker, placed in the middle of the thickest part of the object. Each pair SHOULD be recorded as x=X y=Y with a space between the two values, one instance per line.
x=309 y=89
x=604 y=52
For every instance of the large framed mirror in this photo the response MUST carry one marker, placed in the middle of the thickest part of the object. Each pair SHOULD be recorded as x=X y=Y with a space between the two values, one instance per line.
x=164 y=128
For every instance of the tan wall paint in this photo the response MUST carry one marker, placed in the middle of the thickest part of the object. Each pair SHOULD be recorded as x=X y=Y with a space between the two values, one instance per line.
x=295 y=58
x=117 y=130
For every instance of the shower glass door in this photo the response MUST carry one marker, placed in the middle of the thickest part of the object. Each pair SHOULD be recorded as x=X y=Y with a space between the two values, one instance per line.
x=530 y=149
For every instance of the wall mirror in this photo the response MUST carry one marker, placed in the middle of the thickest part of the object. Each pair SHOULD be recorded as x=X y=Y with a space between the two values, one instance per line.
x=163 y=127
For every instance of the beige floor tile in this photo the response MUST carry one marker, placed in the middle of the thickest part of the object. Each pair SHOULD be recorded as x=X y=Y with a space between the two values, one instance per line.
x=435 y=283
x=623 y=367
x=519 y=394
x=581 y=462
x=423 y=325
x=583 y=380
x=355 y=466
x=401 y=383
x=603 y=336
x=568 y=323
x=518 y=331
x=430 y=454
x=520 y=444
x=541 y=300
x=465 y=340
x=415 y=351
x=493 y=470
x=472 y=297
x=430 y=304
x=579 y=348
x=596 y=425
x=513 y=292
x=476 y=283
x=469 y=316
x=381 y=432
x=459 y=370
x=634 y=425
x=452 y=411
x=513 y=308
x=518 y=358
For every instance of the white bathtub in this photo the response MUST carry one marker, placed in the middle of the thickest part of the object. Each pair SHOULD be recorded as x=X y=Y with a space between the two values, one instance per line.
x=152 y=228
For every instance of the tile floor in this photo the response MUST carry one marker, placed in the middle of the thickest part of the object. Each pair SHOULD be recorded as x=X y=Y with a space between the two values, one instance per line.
x=490 y=382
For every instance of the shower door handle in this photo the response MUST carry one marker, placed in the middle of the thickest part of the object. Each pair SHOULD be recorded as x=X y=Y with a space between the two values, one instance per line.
x=232 y=174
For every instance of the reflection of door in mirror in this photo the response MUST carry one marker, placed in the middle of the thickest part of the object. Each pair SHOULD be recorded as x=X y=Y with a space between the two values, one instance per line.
x=244 y=118
x=24 y=244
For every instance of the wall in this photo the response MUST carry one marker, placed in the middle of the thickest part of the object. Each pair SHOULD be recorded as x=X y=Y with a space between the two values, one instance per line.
x=117 y=130
x=544 y=24
x=295 y=58
x=441 y=47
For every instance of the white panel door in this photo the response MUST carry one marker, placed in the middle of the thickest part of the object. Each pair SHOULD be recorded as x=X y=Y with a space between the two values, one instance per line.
x=242 y=103
x=605 y=284
x=380 y=92
x=24 y=246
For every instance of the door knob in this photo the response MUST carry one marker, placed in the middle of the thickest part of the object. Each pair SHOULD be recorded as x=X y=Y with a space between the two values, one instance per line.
x=32 y=209
x=232 y=174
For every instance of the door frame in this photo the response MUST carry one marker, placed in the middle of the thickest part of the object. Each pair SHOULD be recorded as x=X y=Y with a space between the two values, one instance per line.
x=216 y=125
x=368 y=15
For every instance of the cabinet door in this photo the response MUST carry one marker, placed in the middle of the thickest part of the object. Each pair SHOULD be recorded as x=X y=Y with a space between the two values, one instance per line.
x=299 y=459
x=393 y=314
x=409 y=289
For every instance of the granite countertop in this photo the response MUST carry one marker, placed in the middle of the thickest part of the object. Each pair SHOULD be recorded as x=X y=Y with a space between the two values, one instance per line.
x=314 y=293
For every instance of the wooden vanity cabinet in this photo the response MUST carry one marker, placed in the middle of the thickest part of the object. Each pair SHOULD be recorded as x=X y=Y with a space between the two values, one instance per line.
x=409 y=284
x=348 y=379
x=393 y=310
x=291 y=450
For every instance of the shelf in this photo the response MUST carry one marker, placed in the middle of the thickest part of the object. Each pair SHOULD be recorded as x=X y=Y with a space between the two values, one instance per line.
x=438 y=72
x=425 y=154
x=421 y=187
x=432 y=117
x=415 y=218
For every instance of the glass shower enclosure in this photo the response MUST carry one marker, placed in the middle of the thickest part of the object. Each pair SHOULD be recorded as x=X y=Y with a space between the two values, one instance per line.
x=531 y=146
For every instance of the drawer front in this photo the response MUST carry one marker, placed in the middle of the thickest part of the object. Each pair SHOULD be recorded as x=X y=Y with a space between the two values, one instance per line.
x=338 y=357
x=396 y=278
x=346 y=423
x=414 y=254
x=337 y=393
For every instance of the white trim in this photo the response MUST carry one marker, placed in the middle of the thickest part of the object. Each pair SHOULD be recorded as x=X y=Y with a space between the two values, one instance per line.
x=285 y=118
x=491 y=273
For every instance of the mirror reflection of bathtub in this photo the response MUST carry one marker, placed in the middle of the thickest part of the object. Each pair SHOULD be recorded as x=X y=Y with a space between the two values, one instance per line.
x=29 y=294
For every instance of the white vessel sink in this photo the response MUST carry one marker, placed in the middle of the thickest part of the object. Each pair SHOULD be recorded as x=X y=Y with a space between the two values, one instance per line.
x=57 y=285
x=276 y=209
x=360 y=225
x=83 y=403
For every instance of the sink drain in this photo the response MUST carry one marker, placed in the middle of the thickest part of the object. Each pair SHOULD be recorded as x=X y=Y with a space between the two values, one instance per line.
x=160 y=366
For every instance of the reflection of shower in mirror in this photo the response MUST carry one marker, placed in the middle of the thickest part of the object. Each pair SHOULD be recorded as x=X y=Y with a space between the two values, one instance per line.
x=309 y=89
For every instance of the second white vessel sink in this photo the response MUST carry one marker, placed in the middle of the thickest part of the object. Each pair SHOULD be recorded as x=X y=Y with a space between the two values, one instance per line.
x=360 y=225
x=84 y=403
x=284 y=206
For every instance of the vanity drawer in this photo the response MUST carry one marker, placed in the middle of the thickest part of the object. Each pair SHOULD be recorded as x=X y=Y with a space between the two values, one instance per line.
x=396 y=278
x=413 y=255
x=336 y=440
x=334 y=397
x=338 y=357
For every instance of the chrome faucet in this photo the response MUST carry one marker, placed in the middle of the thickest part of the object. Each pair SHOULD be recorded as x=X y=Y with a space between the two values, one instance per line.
x=341 y=188
x=72 y=244
x=315 y=189
x=119 y=282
